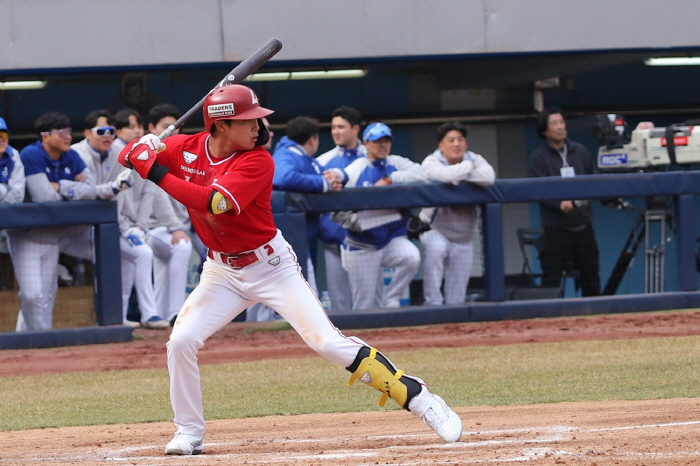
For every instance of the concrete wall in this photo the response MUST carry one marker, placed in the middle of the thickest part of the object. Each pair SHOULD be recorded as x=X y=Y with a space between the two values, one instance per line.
x=69 y=34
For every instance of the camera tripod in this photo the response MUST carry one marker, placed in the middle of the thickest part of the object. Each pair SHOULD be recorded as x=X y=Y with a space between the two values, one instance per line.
x=654 y=258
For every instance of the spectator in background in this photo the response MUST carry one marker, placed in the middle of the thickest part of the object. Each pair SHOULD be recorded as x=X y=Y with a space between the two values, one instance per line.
x=98 y=152
x=161 y=116
x=129 y=126
x=297 y=170
x=12 y=182
x=448 y=245
x=134 y=207
x=54 y=172
x=568 y=235
x=345 y=128
x=100 y=157
x=377 y=238
x=169 y=233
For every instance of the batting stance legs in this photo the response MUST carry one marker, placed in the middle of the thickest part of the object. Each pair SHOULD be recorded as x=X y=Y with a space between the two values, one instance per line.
x=275 y=279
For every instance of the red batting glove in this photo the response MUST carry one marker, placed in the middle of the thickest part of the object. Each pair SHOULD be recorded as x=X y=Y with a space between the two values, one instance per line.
x=142 y=158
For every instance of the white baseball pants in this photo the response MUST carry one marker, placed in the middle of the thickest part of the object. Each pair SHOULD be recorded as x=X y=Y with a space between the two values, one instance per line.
x=223 y=293
x=170 y=265
x=262 y=313
x=445 y=258
x=337 y=280
x=137 y=271
x=365 y=269
x=36 y=270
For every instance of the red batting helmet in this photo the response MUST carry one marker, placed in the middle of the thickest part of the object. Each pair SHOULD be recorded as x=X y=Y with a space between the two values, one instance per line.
x=232 y=102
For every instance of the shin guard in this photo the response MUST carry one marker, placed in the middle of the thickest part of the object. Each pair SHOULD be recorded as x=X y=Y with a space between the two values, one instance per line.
x=375 y=370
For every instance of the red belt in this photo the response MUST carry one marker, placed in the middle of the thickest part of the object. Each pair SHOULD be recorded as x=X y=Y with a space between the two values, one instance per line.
x=236 y=261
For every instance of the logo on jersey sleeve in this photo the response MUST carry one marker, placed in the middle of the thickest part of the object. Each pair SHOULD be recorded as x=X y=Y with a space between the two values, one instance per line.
x=189 y=157
x=218 y=204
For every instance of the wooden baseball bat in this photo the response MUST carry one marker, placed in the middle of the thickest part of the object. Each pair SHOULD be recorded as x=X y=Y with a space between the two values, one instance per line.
x=235 y=76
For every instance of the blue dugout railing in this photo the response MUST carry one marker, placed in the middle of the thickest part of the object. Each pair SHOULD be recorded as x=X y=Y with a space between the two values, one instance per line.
x=682 y=186
x=108 y=304
x=290 y=210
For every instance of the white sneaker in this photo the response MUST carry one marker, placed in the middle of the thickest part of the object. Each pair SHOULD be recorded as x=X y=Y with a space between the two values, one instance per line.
x=184 y=444
x=156 y=323
x=131 y=323
x=443 y=420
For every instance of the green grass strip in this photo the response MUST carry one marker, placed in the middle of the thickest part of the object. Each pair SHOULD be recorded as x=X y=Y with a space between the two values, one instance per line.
x=652 y=368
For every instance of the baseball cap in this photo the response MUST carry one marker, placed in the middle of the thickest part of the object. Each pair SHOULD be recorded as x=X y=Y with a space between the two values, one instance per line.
x=376 y=131
x=3 y=125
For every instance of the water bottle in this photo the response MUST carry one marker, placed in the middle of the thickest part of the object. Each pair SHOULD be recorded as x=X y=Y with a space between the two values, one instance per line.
x=326 y=300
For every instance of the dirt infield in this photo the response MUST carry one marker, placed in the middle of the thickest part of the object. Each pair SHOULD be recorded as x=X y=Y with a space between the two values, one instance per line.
x=662 y=432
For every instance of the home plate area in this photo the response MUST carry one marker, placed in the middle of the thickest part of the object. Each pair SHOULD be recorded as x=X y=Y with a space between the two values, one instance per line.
x=658 y=432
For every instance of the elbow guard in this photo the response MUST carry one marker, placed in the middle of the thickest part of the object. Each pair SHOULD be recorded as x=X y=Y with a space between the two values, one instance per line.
x=218 y=204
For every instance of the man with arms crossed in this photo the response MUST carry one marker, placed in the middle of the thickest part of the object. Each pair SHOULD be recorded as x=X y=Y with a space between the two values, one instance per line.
x=448 y=246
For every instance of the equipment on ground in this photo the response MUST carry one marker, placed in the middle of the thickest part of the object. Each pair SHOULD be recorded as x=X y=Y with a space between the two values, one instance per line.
x=647 y=148
x=653 y=219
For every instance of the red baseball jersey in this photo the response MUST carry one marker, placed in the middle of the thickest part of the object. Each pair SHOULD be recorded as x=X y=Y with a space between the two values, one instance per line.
x=244 y=178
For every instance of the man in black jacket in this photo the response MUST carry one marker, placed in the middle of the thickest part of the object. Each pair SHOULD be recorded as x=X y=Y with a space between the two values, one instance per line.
x=569 y=239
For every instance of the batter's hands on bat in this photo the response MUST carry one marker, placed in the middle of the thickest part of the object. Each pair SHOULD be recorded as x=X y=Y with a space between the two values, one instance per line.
x=124 y=180
x=142 y=158
x=152 y=141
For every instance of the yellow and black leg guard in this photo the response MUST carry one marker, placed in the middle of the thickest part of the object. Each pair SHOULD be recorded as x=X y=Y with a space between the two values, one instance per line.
x=374 y=369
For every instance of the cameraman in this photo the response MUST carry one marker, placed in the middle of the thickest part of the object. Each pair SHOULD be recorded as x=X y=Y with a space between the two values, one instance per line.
x=569 y=238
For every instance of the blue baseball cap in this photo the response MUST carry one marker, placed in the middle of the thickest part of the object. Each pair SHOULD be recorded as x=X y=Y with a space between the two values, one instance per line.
x=3 y=125
x=376 y=131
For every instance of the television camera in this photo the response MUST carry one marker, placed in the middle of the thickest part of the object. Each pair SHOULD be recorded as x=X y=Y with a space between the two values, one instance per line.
x=647 y=148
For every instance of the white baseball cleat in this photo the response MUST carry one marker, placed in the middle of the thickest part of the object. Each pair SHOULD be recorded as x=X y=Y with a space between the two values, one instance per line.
x=443 y=420
x=131 y=323
x=185 y=444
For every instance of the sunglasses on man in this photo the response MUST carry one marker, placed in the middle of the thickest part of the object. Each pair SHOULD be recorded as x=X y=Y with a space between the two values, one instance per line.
x=104 y=130
x=64 y=133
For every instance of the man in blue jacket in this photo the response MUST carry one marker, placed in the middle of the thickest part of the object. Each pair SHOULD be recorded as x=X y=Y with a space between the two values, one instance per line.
x=297 y=170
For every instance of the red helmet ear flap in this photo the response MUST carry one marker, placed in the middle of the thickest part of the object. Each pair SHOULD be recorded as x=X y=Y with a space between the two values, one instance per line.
x=263 y=133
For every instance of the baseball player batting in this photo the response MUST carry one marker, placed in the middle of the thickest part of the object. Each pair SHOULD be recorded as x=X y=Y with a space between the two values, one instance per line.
x=224 y=177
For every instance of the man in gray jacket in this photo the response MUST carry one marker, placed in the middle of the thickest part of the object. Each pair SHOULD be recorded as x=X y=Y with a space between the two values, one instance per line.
x=448 y=246
x=99 y=155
